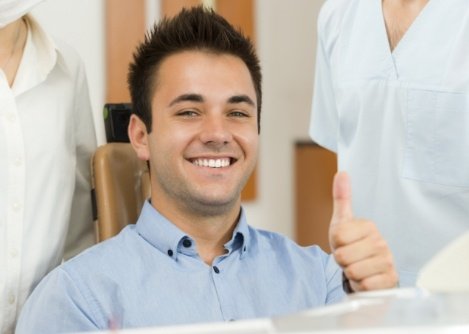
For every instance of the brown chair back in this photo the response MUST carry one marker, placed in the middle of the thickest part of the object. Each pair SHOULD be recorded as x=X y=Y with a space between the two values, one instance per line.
x=121 y=184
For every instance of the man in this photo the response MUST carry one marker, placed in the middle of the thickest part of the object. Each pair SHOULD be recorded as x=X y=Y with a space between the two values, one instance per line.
x=391 y=99
x=46 y=140
x=196 y=90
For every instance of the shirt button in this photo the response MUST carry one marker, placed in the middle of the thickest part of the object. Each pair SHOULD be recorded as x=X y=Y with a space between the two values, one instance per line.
x=16 y=206
x=18 y=162
x=11 y=298
x=216 y=270
x=11 y=117
x=13 y=253
x=186 y=243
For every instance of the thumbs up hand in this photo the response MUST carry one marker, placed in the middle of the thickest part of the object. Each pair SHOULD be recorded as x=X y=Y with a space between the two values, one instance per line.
x=357 y=245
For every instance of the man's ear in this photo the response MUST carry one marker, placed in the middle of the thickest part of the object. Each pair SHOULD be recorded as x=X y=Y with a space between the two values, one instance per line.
x=138 y=136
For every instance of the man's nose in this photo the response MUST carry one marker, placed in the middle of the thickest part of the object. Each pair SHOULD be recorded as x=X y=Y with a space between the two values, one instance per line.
x=215 y=131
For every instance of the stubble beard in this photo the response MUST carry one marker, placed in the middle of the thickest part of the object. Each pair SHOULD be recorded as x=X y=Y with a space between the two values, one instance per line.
x=196 y=202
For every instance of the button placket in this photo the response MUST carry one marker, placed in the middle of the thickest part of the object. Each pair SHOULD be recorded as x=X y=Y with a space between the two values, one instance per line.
x=11 y=117
x=11 y=298
x=14 y=203
x=13 y=253
x=16 y=206
x=18 y=162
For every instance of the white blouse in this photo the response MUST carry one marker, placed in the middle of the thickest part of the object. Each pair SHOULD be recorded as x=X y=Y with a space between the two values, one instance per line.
x=46 y=139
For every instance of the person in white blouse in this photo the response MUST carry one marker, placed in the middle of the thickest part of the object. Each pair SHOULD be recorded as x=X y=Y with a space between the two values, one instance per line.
x=392 y=100
x=46 y=139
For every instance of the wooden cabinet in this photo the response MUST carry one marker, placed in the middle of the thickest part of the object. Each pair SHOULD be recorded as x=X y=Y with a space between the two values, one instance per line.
x=314 y=171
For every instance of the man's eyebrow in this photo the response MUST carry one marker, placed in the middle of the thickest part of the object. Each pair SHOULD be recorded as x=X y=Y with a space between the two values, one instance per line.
x=187 y=97
x=241 y=99
x=199 y=98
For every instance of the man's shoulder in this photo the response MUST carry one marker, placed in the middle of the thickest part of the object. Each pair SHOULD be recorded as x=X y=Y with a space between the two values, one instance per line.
x=103 y=255
x=278 y=242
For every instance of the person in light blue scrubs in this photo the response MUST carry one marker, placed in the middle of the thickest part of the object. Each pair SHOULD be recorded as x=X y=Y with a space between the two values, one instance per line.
x=192 y=257
x=392 y=100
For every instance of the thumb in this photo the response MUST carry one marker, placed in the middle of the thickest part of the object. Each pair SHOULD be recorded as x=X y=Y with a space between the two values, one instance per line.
x=342 y=199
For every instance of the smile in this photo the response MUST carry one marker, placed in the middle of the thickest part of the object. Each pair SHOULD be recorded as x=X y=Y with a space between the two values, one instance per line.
x=212 y=163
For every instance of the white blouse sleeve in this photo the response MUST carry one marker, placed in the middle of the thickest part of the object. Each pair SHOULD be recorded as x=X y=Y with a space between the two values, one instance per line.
x=81 y=232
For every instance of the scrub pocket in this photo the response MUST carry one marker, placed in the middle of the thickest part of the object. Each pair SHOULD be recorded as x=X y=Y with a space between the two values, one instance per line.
x=437 y=137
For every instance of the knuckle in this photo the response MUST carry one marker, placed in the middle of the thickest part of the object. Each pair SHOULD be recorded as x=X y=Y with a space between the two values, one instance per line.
x=389 y=261
x=381 y=245
x=366 y=284
x=340 y=256
x=368 y=224
x=351 y=273
x=394 y=278
x=338 y=235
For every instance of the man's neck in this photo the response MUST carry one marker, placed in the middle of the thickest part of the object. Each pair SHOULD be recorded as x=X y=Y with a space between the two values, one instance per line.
x=399 y=16
x=210 y=237
x=209 y=231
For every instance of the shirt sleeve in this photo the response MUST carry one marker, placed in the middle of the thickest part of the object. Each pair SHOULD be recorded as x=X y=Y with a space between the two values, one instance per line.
x=324 y=117
x=56 y=306
x=335 y=291
x=81 y=232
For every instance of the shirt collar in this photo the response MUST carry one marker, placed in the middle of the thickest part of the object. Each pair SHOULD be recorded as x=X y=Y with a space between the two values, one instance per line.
x=241 y=237
x=39 y=58
x=169 y=239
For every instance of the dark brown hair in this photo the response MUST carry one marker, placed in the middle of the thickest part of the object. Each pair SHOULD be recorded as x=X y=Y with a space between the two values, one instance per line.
x=196 y=28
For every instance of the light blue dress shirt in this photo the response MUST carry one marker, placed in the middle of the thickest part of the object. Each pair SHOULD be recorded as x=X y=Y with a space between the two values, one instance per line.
x=151 y=275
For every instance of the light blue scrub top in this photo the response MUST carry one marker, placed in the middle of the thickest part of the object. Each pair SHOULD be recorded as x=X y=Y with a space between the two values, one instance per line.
x=151 y=275
x=398 y=121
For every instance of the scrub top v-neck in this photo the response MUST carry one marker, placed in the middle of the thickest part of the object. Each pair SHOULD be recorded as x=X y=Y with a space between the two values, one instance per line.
x=399 y=121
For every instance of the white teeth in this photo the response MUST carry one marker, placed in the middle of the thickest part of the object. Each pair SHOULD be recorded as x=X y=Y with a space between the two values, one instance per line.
x=212 y=163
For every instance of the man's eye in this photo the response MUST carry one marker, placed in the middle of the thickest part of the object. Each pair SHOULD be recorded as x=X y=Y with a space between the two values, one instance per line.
x=239 y=114
x=188 y=113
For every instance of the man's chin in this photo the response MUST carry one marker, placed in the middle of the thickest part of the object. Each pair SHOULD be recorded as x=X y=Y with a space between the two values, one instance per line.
x=215 y=205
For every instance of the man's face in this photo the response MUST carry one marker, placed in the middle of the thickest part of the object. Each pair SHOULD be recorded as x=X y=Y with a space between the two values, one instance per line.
x=204 y=141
